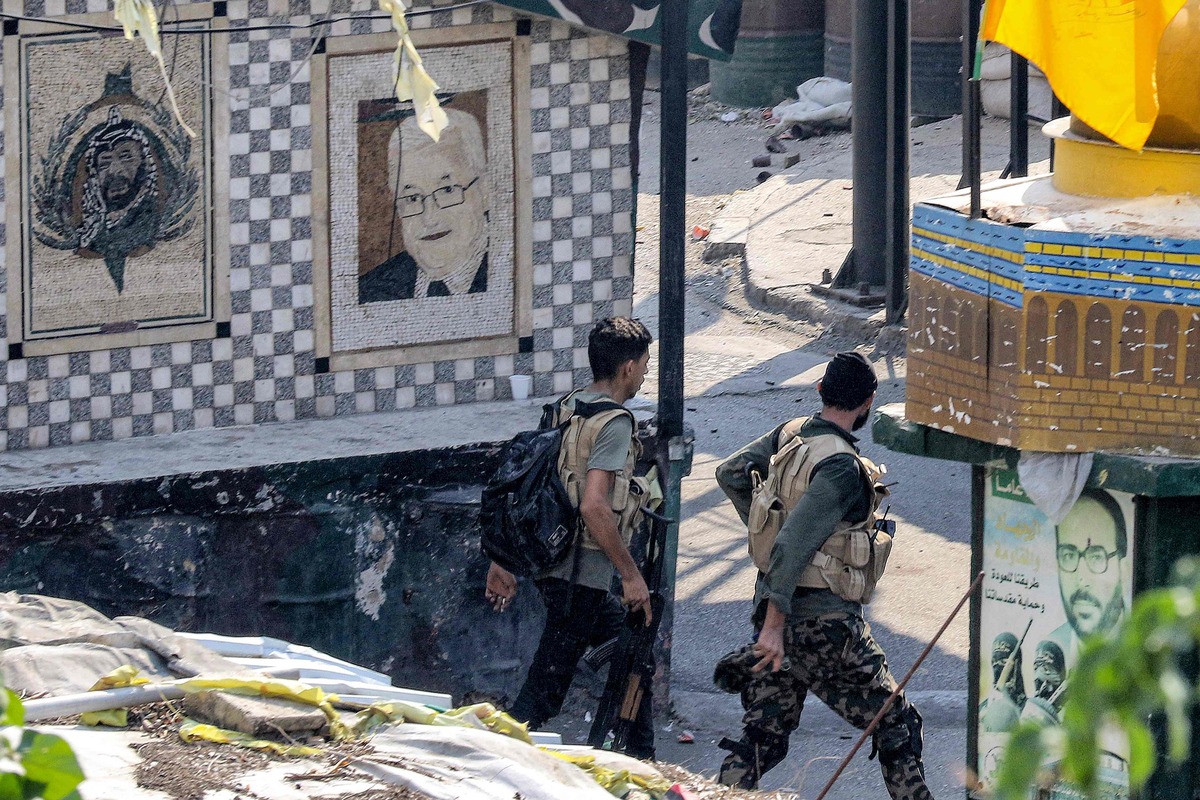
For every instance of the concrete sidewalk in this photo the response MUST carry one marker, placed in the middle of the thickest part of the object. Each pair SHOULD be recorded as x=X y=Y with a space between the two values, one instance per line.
x=797 y=224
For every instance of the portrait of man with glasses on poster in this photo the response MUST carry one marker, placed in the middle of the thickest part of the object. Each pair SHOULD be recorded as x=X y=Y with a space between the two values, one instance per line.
x=1090 y=548
x=1048 y=584
x=438 y=223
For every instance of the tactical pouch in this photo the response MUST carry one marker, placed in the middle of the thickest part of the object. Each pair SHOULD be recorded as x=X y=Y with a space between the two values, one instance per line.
x=766 y=517
x=630 y=505
x=768 y=503
x=857 y=551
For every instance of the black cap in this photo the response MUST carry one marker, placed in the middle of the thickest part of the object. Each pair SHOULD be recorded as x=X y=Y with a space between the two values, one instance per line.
x=849 y=380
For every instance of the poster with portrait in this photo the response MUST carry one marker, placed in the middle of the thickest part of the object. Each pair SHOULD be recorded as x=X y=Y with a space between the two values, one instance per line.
x=1045 y=587
x=421 y=231
x=116 y=205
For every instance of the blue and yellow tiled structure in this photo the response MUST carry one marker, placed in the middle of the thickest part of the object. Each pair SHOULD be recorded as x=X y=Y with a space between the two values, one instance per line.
x=1053 y=340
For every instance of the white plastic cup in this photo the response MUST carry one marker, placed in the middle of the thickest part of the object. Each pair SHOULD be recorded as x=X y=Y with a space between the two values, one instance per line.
x=521 y=384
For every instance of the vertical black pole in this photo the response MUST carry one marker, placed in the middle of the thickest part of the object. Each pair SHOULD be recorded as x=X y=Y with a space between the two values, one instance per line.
x=975 y=692
x=672 y=216
x=869 y=126
x=1057 y=109
x=1018 y=118
x=672 y=221
x=972 y=146
x=896 y=196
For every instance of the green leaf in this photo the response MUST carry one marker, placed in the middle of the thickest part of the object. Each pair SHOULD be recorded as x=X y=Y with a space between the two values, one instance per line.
x=1177 y=706
x=11 y=785
x=13 y=711
x=48 y=760
x=1020 y=764
x=1141 y=753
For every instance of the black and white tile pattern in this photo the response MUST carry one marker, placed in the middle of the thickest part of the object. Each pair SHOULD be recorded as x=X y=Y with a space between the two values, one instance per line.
x=262 y=368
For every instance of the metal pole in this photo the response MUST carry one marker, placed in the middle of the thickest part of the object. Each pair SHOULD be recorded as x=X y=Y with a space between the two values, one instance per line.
x=897 y=195
x=1057 y=109
x=1018 y=118
x=869 y=127
x=672 y=225
x=672 y=217
x=972 y=146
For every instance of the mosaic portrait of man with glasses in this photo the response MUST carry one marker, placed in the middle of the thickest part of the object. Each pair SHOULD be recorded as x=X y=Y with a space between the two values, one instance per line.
x=1090 y=548
x=440 y=198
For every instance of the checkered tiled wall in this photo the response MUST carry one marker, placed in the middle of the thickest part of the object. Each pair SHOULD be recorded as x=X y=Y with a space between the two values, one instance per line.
x=264 y=370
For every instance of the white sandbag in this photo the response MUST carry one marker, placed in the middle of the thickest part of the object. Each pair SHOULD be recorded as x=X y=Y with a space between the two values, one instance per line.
x=994 y=84
x=997 y=100
x=822 y=99
x=53 y=646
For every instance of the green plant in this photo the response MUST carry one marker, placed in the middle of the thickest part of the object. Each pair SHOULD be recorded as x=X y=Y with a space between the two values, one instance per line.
x=1120 y=681
x=32 y=764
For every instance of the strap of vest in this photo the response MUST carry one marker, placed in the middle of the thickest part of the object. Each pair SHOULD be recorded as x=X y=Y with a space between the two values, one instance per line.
x=790 y=431
x=578 y=437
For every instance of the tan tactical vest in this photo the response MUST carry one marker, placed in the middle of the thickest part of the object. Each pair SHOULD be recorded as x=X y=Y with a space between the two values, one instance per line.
x=852 y=560
x=629 y=494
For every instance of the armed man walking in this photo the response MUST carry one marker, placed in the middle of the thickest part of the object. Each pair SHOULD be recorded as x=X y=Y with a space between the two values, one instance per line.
x=596 y=464
x=809 y=501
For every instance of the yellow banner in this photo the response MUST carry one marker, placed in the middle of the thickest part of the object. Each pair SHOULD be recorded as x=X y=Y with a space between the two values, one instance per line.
x=1099 y=56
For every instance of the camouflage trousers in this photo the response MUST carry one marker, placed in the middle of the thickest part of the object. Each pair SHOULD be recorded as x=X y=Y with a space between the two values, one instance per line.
x=835 y=657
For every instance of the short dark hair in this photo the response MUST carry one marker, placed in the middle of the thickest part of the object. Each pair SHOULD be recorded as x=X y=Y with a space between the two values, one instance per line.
x=614 y=341
x=1109 y=504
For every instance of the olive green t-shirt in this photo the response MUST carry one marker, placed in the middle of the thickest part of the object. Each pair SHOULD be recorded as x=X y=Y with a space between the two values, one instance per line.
x=609 y=454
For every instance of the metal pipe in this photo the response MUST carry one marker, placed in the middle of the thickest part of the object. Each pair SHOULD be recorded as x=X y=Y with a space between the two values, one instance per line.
x=1018 y=117
x=869 y=128
x=1057 y=109
x=897 y=231
x=900 y=687
x=102 y=700
x=972 y=107
x=672 y=217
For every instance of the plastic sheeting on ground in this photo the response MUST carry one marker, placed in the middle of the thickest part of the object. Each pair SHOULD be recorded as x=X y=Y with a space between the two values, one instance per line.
x=469 y=764
x=51 y=646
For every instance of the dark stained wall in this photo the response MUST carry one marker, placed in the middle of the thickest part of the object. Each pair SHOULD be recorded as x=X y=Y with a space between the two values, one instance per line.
x=373 y=559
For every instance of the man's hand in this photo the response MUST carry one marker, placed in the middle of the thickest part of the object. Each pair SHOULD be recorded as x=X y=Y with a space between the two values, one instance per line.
x=501 y=587
x=769 y=647
x=636 y=595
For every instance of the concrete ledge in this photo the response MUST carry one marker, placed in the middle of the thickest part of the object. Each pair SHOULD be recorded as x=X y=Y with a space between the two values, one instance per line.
x=264 y=445
x=799 y=302
x=719 y=712
x=727 y=238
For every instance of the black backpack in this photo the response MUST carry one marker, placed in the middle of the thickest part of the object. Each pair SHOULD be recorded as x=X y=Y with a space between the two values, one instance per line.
x=526 y=520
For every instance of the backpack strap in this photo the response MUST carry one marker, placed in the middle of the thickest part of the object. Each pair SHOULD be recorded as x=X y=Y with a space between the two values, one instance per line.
x=790 y=431
x=556 y=414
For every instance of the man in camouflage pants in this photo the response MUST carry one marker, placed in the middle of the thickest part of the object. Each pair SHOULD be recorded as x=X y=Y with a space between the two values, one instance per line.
x=811 y=639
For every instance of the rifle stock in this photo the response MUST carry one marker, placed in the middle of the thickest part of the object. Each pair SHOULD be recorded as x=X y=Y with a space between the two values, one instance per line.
x=632 y=668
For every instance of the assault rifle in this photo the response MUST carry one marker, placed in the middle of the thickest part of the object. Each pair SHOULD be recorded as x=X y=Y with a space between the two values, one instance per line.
x=631 y=669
